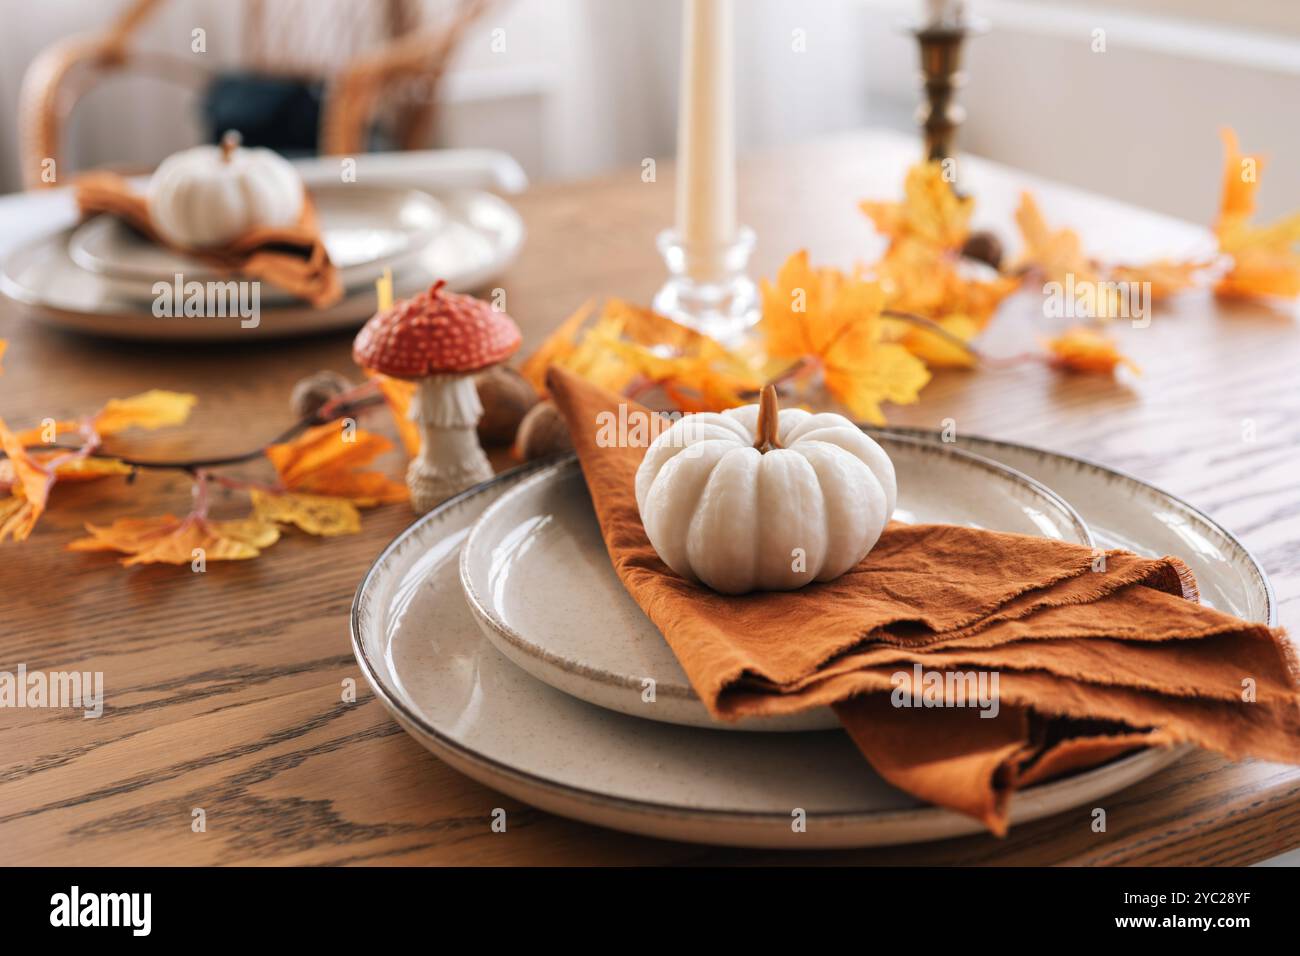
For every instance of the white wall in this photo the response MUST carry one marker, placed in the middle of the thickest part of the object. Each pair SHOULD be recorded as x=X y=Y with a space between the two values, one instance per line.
x=587 y=85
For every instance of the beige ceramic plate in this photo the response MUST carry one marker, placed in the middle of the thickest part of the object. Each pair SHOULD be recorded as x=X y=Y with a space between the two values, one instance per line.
x=479 y=237
x=538 y=581
x=426 y=659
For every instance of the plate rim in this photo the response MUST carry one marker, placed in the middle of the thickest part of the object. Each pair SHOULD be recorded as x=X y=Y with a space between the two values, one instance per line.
x=486 y=614
x=1257 y=566
x=1146 y=762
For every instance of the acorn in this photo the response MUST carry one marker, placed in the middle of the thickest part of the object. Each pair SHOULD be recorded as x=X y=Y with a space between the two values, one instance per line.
x=983 y=247
x=312 y=392
x=506 y=397
x=542 y=432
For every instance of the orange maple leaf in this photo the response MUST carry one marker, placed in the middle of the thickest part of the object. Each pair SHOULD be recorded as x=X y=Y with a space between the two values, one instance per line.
x=926 y=281
x=1265 y=261
x=930 y=212
x=28 y=485
x=558 y=348
x=167 y=539
x=398 y=393
x=1081 y=349
x=627 y=344
x=1053 y=254
x=832 y=321
x=323 y=461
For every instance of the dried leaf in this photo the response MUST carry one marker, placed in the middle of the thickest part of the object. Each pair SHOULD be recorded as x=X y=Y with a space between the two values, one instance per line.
x=1265 y=261
x=155 y=408
x=931 y=211
x=626 y=344
x=47 y=432
x=833 y=320
x=314 y=514
x=29 y=489
x=398 y=394
x=939 y=350
x=1082 y=349
x=1054 y=255
x=74 y=468
x=926 y=281
x=1166 y=276
x=558 y=348
x=323 y=461
x=4 y=344
x=169 y=540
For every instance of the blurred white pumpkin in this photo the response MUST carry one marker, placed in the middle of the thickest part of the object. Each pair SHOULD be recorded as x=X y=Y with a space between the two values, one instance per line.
x=209 y=195
x=756 y=499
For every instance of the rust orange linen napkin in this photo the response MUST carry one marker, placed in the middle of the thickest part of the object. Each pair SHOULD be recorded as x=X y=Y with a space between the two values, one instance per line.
x=1092 y=659
x=290 y=257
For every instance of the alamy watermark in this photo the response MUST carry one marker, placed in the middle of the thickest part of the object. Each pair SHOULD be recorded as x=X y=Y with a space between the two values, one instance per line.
x=1098 y=299
x=213 y=299
x=53 y=689
x=924 y=688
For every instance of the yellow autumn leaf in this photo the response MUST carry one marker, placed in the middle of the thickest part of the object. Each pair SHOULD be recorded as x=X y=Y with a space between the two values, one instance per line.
x=314 y=514
x=946 y=347
x=1264 y=259
x=4 y=344
x=931 y=211
x=833 y=321
x=1081 y=349
x=155 y=408
x=167 y=539
x=324 y=460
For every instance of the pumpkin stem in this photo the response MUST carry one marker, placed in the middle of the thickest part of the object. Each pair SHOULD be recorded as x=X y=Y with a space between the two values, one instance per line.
x=229 y=143
x=768 y=420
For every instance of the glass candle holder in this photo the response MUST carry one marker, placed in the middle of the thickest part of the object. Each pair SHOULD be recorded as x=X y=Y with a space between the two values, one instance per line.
x=708 y=287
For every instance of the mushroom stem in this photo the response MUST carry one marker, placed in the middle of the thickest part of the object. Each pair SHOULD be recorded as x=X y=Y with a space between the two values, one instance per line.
x=447 y=410
x=229 y=143
x=769 y=420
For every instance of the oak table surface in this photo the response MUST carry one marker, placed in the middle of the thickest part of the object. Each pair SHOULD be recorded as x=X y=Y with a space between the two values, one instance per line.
x=224 y=689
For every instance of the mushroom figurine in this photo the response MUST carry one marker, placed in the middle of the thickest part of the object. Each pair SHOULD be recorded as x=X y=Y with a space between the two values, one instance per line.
x=440 y=340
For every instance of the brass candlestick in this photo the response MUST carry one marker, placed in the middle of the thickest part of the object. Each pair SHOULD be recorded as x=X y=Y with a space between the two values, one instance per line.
x=941 y=75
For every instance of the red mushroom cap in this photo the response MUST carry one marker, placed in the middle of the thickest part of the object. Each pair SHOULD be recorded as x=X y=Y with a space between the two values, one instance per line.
x=435 y=333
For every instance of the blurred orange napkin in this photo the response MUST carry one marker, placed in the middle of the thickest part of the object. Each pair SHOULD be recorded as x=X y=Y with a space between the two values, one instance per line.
x=1091 y=659
x=290 y=257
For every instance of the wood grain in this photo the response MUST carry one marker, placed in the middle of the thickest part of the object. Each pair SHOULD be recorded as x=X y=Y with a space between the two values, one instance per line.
x=224 y=688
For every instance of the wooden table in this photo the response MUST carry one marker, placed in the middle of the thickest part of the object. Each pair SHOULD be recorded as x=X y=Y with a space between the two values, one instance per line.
x=224 y=688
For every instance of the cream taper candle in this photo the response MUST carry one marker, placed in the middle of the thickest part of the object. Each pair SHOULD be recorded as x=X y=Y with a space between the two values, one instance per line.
x=706 y=136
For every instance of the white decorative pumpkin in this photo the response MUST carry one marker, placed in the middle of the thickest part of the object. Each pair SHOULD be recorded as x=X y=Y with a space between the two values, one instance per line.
x=752 y=499
x=209 y=195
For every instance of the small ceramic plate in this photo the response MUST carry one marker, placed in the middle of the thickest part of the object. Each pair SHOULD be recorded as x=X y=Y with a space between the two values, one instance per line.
x=366 y=229
x=479 y=237
x=537 y=578
x=427 y=661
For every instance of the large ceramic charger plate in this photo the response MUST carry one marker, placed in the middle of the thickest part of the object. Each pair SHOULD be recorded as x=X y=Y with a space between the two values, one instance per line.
x=425 y=658
x=478 y=238
x=537 y=579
